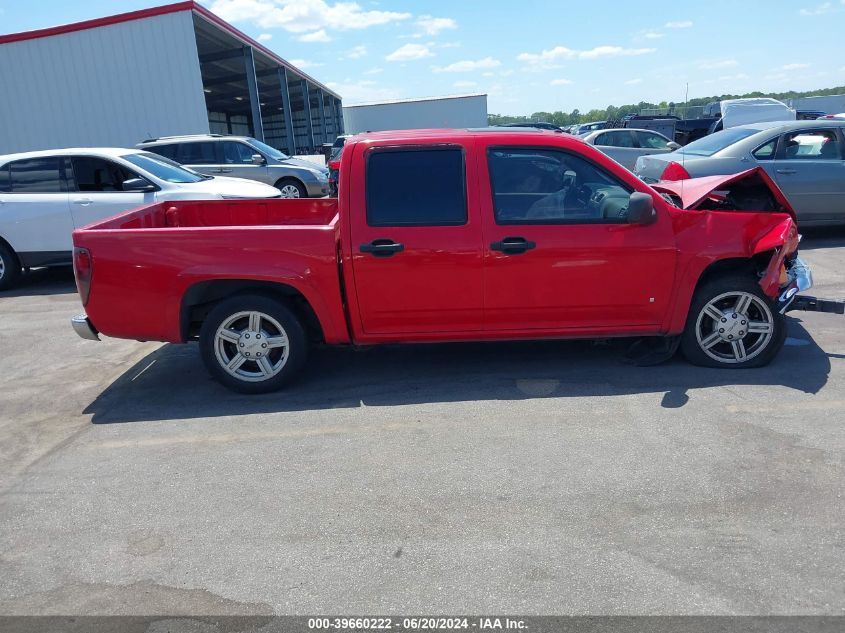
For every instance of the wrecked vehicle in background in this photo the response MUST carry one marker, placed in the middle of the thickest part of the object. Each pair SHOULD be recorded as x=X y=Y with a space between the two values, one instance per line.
x=510 y=235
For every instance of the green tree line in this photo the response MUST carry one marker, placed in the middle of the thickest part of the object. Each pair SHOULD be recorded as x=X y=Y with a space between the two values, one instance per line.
x=612 y=112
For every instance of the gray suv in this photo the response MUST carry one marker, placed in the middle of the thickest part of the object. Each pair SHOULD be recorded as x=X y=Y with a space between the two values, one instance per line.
x=244 y=157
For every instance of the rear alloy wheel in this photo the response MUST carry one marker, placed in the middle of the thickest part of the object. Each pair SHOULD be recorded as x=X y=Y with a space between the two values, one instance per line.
x=253 y=344
x=10 y=269
x=290 y=188
x=733 y=324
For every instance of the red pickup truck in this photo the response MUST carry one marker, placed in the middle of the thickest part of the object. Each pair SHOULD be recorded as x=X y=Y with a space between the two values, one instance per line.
x=453 y=235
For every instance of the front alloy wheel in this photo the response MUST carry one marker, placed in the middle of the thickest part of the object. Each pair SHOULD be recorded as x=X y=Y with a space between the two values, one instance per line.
x=734 y=327
x=732 y=324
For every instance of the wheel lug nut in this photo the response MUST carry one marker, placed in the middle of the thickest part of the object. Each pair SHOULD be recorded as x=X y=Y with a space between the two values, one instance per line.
x=733 y=316
x=247 y=336
x=742 y=322
x=721 y=330
x=730 y=336
x=724 y=320
x=247 y=354
x=264 y=345
x=242 y=344
x=257 y=336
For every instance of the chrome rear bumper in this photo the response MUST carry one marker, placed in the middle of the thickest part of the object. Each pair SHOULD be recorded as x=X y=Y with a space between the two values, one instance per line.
x=84 y=328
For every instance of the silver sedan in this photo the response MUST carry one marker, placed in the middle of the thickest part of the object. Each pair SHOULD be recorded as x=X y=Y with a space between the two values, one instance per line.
x=805 y=158
x=625 y=145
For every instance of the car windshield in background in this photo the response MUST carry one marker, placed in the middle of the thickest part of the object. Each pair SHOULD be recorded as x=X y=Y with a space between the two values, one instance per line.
x=163 y=168
x=718 y=141
x=272 y=152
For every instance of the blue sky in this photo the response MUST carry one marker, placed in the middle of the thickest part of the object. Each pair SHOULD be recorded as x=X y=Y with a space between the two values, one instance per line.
x=528 y=56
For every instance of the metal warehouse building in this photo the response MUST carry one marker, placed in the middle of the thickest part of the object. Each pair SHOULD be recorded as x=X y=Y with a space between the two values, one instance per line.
x=175 y=69
x=456 y=111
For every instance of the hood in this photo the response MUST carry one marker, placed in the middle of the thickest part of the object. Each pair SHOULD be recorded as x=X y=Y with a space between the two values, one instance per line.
x=694 y=192
x=299 y=162
x=234 y=187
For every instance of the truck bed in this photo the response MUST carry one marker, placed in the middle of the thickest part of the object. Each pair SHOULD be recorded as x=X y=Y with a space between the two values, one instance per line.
x=228 y=213
x=146 y=261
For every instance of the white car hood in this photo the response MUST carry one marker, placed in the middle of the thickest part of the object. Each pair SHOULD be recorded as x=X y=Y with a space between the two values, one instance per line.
x=233 y=187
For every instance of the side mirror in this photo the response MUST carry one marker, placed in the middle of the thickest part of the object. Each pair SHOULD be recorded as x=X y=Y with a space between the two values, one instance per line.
x=258 y=159
x=138 y=185
x=673 y=145
x=641 y=209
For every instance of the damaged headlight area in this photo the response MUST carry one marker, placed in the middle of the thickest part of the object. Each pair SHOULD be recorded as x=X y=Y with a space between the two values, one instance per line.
x=800 y=278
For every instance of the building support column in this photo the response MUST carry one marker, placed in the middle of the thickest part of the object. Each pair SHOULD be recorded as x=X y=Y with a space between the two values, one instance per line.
x=254 y=99
x=338 y=113
x=283 y=81
x=322 y=101
x=307 y=107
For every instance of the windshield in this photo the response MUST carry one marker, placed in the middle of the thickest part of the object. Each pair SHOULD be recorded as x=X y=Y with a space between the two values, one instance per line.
x=272 y=152
x=163 y=168
x=716 y=142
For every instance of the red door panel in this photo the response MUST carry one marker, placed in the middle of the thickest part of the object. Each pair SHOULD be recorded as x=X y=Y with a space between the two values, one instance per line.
x=589 y=274
x=432 y=282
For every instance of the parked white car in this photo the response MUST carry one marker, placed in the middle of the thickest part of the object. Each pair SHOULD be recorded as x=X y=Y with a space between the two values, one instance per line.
x=626 y=145
x=45 y=195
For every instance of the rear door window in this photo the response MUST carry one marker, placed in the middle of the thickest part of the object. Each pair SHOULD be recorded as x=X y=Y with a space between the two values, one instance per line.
x=618 y=138
x=416 y=187
x=197 y=154
x=36 y=175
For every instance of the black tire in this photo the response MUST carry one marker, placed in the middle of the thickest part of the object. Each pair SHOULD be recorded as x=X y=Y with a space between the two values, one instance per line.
x=10 y=267
x=745 y=329
x=248 y=376
x=292 y=182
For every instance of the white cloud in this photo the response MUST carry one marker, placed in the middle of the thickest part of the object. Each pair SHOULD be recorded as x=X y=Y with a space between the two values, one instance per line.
x=304 y=63
x=725 y=63
x=469 y=65
x=488 y=74
x=301 y=16
x=652 y=35
x=560 y=82
x=409 y=52
x=794 y=66
x=265 y=37
x=633 y=82
x=374 y=71
x=316 y=36
x=357 y=52
x=431 y=26
x=680 y=24
x=549 y=58
x=366 y=90
x=464 y=84
x=825 y=7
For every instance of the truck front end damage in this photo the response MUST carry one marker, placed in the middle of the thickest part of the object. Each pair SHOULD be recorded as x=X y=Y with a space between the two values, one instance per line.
x=753 y=191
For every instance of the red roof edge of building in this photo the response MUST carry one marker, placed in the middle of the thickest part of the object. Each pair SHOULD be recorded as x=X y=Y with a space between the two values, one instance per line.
x=189 y=5
x=97 y=22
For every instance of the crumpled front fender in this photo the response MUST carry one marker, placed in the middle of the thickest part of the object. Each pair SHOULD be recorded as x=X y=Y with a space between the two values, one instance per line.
x=783 y=240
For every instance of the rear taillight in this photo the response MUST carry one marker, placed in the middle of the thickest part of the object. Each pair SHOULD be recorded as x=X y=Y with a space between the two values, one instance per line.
x=674 y=171
x=82 y=269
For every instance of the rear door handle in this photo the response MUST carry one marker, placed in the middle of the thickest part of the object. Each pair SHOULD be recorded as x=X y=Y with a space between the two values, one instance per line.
x=786 y=171
x=83 y=201
x=382 y=247
x=225 y=171
x=513 y=245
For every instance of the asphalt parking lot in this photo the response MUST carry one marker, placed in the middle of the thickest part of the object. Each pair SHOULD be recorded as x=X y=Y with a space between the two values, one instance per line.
x=526 y=478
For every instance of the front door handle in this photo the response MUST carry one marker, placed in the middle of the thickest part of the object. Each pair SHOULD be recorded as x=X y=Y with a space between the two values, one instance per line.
x=382 y=248
x=83 y=201
x=786 y=171
x=225 y=171
x=513 y=245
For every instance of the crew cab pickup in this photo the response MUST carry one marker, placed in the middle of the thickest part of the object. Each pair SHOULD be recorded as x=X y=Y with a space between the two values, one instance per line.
x=452 y=235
